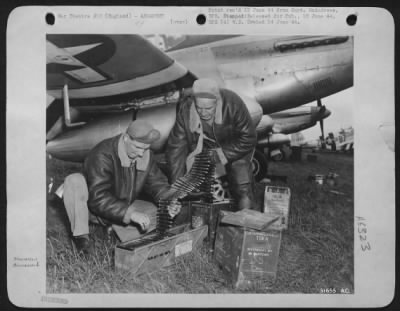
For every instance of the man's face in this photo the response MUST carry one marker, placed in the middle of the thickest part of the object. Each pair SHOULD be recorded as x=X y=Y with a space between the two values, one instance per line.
x=206 y=108
x=134 y=148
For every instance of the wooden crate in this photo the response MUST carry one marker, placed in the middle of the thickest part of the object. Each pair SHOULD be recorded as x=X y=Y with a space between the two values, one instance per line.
x=137 y=259
x=247 y=256
x=277 y=202
x=207 y=214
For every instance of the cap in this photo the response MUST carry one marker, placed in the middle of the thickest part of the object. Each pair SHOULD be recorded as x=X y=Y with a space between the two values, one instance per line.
x=206 y=88
x=143 y=132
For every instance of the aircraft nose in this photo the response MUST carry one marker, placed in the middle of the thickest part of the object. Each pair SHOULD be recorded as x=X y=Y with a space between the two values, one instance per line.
x=265 y=125
x=327 y=113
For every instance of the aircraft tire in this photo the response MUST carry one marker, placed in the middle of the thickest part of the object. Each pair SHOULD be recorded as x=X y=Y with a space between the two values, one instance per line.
x=279 y=157
x=260 y=165
x=283 y=154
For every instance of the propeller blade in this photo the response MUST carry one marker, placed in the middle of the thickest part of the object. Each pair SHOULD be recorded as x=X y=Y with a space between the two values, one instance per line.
x=321 y=124
x=321 y=112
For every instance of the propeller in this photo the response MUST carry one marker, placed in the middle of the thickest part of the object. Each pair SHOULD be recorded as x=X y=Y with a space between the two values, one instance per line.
x=321 y=122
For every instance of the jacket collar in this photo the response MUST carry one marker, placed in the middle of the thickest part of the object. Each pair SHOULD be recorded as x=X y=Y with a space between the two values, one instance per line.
x=141 y=163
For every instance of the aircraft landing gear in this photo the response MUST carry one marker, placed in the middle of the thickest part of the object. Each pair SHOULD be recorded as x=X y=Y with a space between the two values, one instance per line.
x=277 y=155
x=259 y=162
x=220 y=190
x=260 y=165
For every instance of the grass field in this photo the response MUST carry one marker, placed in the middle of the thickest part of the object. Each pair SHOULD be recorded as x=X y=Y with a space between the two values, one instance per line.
x=316 y=251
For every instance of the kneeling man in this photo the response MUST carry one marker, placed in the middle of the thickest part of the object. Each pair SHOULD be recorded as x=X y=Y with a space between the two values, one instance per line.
x=114 y=173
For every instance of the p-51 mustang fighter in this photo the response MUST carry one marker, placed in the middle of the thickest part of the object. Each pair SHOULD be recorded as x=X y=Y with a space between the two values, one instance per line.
x=96 y=84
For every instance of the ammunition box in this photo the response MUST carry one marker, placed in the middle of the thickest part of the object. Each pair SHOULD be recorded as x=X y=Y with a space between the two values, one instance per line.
x=207 y=214
x=277 y=202
x=247 y=256
x=138 y=257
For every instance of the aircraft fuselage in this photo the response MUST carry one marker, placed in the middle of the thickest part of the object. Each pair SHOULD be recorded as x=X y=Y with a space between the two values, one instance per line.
x=279 y=73
x=271 y=74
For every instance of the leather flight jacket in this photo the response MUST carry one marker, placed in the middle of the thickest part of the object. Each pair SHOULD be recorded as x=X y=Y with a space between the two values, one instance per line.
x=112 y=187
x=235 y=134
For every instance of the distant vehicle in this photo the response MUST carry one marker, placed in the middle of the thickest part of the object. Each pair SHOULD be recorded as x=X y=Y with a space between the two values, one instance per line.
x=342 y=140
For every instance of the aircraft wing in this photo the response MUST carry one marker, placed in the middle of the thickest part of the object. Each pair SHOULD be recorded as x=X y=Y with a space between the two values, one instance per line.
x=119 y=73
x=107 y=73
x=106 y=66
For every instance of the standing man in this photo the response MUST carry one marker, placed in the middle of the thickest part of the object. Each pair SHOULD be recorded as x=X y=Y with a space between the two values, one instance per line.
x=218 y=119
x=115 y=172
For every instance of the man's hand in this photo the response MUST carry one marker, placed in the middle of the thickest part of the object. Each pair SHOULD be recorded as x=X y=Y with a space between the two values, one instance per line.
x=174 y=208
x=141 y=219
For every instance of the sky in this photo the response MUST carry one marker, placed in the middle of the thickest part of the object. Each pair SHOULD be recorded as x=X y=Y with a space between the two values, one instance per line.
x=341 y=107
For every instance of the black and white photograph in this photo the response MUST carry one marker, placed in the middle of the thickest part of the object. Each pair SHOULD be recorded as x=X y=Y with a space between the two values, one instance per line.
x=219 y=162
x=240 y=103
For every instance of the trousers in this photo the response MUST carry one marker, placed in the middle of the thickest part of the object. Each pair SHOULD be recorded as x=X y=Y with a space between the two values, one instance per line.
x=241 y=182
x=75 y=199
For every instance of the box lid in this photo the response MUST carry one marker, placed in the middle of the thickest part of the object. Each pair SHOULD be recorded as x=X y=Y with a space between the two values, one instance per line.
x=248 y=219
x=275 y=189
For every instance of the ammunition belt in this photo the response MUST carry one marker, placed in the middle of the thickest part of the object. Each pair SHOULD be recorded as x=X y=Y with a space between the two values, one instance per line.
x=200 y=177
